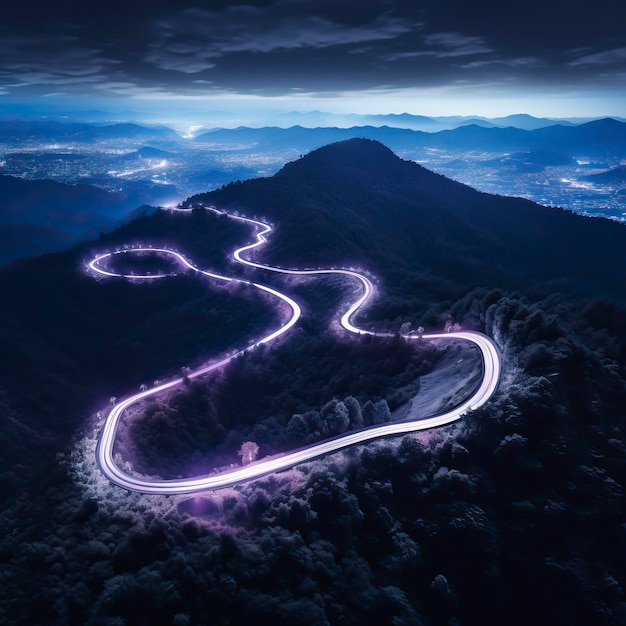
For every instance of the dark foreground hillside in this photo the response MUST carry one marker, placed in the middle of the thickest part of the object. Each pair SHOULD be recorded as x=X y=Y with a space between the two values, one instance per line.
x=515 y=515
x=68 y=342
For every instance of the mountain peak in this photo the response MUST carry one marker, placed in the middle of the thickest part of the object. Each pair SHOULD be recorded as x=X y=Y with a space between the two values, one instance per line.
x=356 y=157
x=372 y=167
x=355 y=201
x=358 y=151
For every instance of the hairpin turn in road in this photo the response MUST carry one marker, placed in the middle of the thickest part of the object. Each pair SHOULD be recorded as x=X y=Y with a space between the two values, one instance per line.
x=489 y=351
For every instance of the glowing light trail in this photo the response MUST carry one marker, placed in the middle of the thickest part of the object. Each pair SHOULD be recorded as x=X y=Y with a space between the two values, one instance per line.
x=489 y=383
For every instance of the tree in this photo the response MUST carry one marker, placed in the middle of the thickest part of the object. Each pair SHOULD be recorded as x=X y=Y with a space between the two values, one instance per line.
x=338 y=420
x=382 y=413
x=297 y=428
x=376 y=413
x=368 y=413
x=248 y=452
x=354 y=412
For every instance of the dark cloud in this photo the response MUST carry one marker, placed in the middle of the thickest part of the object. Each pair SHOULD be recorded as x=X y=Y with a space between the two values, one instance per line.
x=196 y=39
x=291 y=46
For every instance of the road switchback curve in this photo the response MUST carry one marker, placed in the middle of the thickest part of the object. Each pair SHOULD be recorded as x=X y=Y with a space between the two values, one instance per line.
x=104 y=453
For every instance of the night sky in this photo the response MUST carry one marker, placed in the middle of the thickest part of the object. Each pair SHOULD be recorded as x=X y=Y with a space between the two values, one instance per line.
x=548 y=57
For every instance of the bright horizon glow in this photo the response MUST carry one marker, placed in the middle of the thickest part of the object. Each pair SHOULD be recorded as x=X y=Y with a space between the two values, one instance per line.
x=459 y=100
x=229 y=109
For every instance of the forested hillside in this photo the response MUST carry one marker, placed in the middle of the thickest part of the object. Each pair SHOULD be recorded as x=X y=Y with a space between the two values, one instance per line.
x=514 y=515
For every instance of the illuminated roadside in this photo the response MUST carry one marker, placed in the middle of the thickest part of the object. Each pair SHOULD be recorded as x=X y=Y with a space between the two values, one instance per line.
x=489 y=383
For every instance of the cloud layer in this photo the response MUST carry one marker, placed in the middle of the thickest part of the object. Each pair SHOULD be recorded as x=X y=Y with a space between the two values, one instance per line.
x=283 y=47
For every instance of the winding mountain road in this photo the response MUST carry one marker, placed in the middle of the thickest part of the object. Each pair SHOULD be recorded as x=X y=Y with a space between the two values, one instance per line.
x=489 y=351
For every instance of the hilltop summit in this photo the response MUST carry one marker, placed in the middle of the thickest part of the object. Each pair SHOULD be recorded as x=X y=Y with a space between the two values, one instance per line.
x=355 y=201
x=371 y=165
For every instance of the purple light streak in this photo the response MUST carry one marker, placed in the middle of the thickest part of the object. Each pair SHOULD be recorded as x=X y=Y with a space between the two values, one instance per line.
x=104 y=453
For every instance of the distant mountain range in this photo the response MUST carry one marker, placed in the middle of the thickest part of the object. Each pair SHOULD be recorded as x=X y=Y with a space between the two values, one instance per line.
x=593 y=139
x=424 y=123
x=22 y=131
x=18 y=130
x=304 y=118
